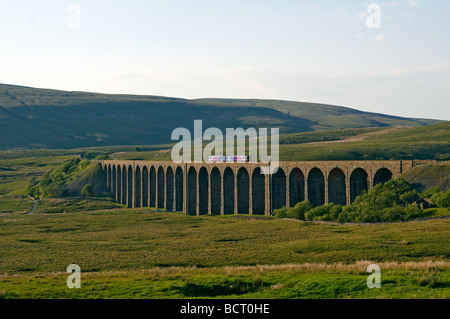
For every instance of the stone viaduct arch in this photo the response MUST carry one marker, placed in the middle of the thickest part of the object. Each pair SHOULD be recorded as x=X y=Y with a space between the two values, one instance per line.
x=336 y=187
x=216 y=191
x=296 y=187
x=382 y=176
x=145 y=187
x=258 y=193
x=124 y=185
x=228 y=191
x=203 y=185
x=152 y=186
x=192 y=192
x=138 y=186
x=243 y=191
x=240 y=188
x=279 y=189
x=179 y=198
x=358 y=183
x=316 y=187
x=169 y=188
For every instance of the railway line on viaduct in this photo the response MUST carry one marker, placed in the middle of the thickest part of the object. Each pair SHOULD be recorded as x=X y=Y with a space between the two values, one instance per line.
x=240 y=188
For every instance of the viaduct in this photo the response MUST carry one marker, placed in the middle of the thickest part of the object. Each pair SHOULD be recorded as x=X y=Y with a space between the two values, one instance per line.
x=240 y=188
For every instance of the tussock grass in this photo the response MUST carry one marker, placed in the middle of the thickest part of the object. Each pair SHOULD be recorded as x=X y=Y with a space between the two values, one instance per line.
x=358 y=267
x=310 y=268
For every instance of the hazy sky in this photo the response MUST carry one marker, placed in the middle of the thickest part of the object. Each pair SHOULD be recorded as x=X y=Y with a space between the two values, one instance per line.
x=312 y=51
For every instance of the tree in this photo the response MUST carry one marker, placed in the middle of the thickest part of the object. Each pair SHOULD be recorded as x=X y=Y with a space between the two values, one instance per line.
x=430 y=192
x=386 y=203
x=441 y=199
x=87 y=191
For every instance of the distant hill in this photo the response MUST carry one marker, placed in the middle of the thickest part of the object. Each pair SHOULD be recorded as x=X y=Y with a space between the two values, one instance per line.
x=43 y=118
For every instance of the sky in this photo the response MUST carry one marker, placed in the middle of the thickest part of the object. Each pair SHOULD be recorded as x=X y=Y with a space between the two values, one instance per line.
x=388 y=57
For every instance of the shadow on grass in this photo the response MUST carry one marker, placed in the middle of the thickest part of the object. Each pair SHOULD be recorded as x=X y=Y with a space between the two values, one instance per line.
x=227 y=288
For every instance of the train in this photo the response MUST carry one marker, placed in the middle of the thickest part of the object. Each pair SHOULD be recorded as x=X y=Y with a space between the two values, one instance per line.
x=228 y=159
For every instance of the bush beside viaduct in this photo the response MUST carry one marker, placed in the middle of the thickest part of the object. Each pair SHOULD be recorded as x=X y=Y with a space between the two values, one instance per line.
x=240 y=188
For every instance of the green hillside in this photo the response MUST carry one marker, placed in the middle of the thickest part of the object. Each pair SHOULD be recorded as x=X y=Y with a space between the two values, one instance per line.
x=324 y=116
x=425 y=142
x=428 y=176
x=42 y=118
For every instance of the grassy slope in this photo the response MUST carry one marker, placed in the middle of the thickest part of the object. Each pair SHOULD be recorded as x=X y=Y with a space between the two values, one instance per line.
x=427 y=176
x=40 y=118
x=326 y=116
x=427 y=142
x=325 y=136
x=16 y=170
x=114 y=249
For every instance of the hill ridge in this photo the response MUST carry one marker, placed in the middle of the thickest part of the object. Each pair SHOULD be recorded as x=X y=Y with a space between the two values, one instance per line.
x=38 y=118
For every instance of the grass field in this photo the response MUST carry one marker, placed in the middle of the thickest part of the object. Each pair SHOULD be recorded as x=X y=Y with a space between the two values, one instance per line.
x=312 y=281
x=142 y=253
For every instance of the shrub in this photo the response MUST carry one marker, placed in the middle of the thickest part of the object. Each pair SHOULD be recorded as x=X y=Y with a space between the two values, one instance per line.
x=442 y=212
x=103 y=157
x=441 y=199
x=32 y=191
x=410 y=197
x=69 y=165
x=46 y=180
x=393 y=214
x=87 y=191
x=299 y=210
x=344 y=215
x=412 y=212
x=279 y=213
x=389 y=202
x=319 y=213
x=430 y=192
x=54 y=190
x=89 y=155
x=386 y=203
